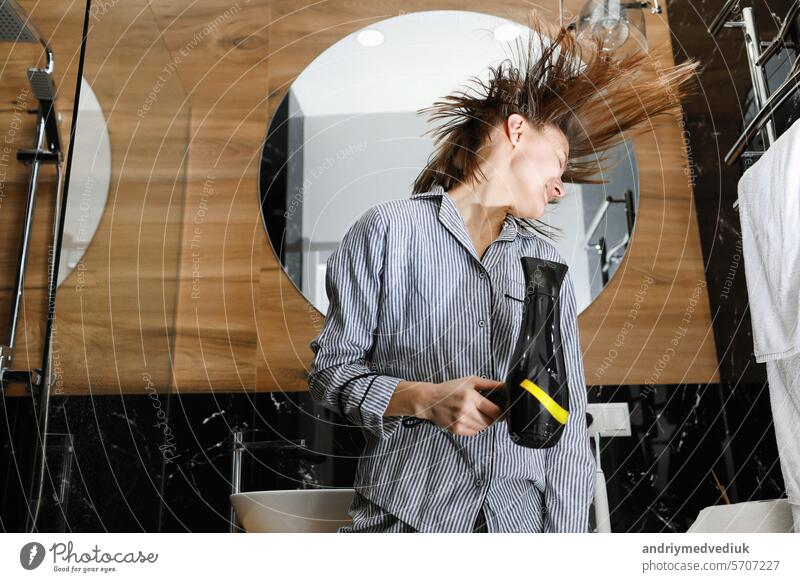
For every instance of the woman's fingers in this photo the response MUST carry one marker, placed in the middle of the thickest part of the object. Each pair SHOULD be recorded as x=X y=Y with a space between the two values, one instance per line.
x=488 y=408
x=485 y=383
x=477 y=421
x=486 y=419
x=463 y=409
x=469 y=423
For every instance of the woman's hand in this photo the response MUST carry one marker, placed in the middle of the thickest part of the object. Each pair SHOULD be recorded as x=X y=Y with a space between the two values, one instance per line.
x=456 y=405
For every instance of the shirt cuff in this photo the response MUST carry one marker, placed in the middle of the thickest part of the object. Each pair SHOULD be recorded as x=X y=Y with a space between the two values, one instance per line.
x=373 y=398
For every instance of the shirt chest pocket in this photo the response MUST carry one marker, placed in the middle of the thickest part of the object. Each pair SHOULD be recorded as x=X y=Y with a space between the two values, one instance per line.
x=514 y=290
x=512 y=309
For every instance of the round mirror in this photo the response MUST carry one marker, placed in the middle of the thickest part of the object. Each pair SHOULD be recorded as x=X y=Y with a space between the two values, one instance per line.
x=346 y=137
x=89 y=182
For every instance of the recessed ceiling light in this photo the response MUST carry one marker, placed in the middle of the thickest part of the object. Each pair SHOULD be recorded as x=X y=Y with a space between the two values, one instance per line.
x=370 y=37
x=507 y=32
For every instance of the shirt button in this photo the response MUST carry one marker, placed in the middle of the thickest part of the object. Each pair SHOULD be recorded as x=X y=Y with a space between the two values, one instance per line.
x=478 y=482
x=482 y=275
x=483 y=375
x=481 y=323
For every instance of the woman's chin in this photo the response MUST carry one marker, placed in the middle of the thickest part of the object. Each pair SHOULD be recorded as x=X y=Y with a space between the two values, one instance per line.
x=535 y=214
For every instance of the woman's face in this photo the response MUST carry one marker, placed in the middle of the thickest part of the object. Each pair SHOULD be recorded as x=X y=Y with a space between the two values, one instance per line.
x=536 y=163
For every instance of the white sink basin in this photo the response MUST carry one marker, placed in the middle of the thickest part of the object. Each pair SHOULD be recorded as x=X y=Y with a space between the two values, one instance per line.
x=772 y=515
x=293 y=511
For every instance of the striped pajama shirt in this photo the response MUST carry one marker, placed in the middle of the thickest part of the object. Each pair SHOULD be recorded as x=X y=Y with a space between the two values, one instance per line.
x=410 y=299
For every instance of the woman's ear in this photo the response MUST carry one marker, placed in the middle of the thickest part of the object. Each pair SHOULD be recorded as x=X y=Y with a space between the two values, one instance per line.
x=514 y=126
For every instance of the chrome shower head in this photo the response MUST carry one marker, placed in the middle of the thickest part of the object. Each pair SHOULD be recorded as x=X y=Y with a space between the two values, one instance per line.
x=42 y=85
x=15 y=25
x=44 y=89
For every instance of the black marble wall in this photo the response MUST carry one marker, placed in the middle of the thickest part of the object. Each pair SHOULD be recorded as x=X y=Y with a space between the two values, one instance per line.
x=692 y=446
x=133 y=469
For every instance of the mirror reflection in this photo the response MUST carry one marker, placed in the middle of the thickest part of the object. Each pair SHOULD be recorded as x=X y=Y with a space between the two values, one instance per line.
x=347 y=136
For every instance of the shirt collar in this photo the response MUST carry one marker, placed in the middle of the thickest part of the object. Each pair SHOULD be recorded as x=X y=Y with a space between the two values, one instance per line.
x=512 y=226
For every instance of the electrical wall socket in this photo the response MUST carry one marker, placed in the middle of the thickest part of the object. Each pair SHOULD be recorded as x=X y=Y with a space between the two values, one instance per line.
x=609 y=419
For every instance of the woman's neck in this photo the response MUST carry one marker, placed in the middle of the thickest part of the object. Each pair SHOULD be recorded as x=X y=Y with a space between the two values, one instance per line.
x=483 y=218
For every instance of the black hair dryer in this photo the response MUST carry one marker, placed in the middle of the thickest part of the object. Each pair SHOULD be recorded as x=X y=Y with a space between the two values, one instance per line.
x=537 y=392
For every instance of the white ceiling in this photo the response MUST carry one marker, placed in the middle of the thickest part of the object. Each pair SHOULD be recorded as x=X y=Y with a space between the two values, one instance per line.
x=424 y=55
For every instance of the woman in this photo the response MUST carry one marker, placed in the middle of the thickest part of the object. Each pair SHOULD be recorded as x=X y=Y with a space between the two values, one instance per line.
x=426 y=298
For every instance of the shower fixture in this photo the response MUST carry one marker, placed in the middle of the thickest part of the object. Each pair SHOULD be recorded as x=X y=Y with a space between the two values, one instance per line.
x=16 y=27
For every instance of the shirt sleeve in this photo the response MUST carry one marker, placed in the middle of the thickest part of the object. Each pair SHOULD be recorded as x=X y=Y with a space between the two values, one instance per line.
x=570 y=479
x=341 y=377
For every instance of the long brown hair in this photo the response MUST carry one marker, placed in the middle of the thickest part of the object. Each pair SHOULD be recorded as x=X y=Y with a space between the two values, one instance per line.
x=597 y=107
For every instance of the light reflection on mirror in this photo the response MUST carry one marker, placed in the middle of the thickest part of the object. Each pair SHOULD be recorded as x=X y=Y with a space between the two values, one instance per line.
x=346 y=136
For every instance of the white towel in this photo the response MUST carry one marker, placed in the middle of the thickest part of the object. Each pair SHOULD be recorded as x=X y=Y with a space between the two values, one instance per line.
x=769 y=210
x=784 y=394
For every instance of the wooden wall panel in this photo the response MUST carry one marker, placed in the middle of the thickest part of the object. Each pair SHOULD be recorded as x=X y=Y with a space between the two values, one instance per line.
x=225 y=75
x=660 y=348
x=115 y=311
x=240 y=324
